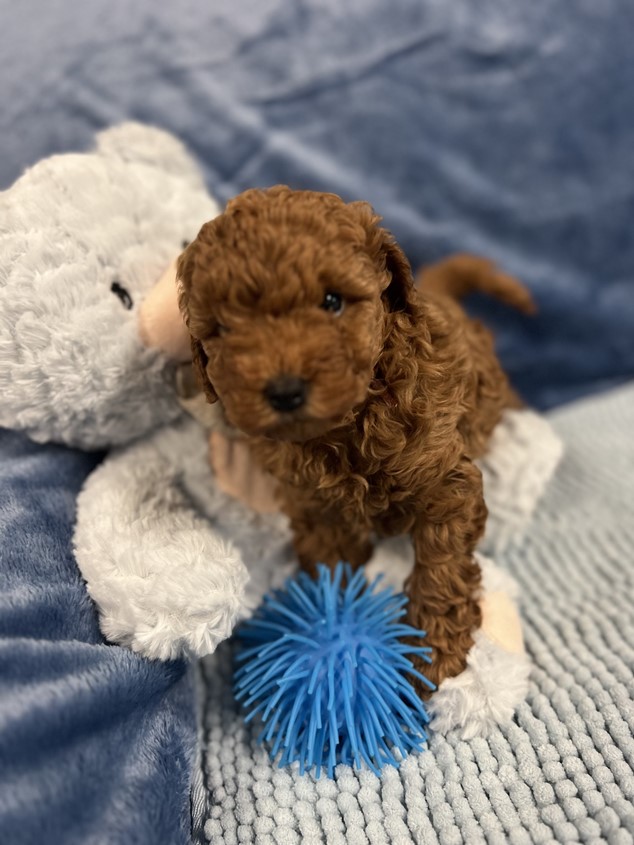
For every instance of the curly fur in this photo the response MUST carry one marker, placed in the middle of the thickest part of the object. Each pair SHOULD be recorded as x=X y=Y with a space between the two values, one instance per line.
x=404 y=389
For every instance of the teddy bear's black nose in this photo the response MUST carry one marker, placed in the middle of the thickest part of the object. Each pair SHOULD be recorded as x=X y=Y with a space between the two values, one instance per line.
x=286 y=393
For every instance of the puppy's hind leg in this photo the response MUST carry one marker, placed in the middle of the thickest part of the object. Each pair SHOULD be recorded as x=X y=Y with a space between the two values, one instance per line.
x=443 y=588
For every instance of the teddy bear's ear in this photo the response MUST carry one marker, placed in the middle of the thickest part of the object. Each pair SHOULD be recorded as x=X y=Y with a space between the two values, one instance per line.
x=136 y=143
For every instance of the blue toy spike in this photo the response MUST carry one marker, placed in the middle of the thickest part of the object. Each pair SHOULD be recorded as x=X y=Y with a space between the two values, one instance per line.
x=325 y=669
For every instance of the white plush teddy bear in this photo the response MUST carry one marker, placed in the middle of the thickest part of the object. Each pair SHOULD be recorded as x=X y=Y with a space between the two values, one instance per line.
x=90 y=343
x=88 y=358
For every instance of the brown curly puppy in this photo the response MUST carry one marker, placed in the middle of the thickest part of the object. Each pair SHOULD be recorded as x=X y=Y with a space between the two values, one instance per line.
x=365 y=398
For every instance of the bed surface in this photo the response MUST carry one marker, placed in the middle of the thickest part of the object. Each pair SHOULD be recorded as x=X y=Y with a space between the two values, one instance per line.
x=563 y=771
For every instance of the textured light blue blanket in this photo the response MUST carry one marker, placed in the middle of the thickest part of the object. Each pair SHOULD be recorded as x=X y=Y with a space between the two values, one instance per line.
x=563 y=771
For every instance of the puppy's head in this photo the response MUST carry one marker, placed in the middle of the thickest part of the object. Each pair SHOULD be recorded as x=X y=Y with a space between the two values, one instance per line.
x=285 y=295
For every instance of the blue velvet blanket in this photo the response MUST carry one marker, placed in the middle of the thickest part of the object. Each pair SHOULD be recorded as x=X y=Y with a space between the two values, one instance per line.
x=501 y=128
x=96 y=744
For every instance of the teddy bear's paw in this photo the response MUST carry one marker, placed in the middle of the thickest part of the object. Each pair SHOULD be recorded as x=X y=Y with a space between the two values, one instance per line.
x=495 y=681
x=186 y=610
x=486 y=694
x=189 y=636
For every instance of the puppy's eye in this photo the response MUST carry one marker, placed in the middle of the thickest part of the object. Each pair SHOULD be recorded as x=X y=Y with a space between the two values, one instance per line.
x=333 y=302
x=118 y=290
x=219 y=330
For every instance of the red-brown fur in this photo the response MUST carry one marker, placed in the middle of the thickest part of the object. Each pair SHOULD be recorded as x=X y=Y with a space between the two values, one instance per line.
x=405 y=390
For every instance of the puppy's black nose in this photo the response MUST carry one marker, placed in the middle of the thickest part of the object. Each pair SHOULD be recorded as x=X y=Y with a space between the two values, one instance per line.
x=286 y=393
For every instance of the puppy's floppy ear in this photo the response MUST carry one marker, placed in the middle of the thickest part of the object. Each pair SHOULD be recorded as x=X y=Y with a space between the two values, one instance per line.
x=199 y=361
x=398 y=291
x=184 y=272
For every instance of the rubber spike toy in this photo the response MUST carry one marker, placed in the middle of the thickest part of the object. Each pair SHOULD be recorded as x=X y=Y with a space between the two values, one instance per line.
x=326 y=670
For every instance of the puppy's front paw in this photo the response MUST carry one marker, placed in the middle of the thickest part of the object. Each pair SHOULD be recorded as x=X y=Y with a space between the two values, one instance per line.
x=449 y=633
x=445 y=665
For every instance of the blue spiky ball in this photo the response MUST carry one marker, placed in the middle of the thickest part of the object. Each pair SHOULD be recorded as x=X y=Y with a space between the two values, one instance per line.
x=325 y=669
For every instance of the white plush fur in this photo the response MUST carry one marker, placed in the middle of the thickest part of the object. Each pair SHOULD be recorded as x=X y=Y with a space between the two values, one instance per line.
x=521 y=460
x=485 y=694
x=170 y=561
x=165 y=582
x=72 y=368
x=163 y=552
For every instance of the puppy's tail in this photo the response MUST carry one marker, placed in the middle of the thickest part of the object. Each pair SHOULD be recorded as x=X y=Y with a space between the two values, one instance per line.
x=460 y=275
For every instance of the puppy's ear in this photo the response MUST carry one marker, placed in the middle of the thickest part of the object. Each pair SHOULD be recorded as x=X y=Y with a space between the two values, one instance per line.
x=199 y=361
x=398 y=289
x=184 y=272
x=399 y=293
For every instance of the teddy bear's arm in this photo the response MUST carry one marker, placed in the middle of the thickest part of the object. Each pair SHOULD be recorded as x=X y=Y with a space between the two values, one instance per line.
x=165 y=584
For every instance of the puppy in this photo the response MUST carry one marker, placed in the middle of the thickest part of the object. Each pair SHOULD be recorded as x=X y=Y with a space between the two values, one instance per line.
x=366 y=398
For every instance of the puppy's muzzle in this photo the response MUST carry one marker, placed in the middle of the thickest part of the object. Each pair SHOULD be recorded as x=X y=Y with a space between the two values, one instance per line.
x=286 y=393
